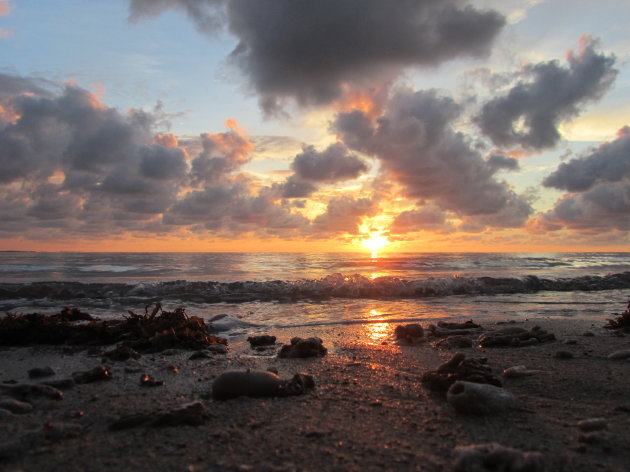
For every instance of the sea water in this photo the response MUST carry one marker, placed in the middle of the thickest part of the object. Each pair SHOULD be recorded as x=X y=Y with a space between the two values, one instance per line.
x=266 y=291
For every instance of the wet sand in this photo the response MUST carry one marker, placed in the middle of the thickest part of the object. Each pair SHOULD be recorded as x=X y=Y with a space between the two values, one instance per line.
x=368 y=411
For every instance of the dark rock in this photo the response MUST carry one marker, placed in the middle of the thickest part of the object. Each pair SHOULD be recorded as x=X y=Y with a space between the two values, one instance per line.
x=454 y=342
x=189 y=414
x=302 y=348
x=15 y=406
x=262 y=340
x=459 y=368
x=101 y=372
x=259 y=384
x=39 y=372
x=466 y=325
x=493 y=457
x=564 y=355
x=148 y=381
x=409 y=332
x=199 y=355
x=122 y=353
x=26 y=392
x=62 y=384
x=514 y=336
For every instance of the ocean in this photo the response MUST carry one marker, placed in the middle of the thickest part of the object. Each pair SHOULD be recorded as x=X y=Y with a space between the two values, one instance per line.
x=265 y=291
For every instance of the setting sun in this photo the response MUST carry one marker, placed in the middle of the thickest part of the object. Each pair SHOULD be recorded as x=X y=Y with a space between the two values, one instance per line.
x=375 y=242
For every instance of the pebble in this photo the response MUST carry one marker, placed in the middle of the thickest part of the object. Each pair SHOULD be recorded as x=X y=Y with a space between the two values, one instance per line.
x=30 y=391
x=563 y=355
x=495 y=457
x=38 y=372
x=588 y=334
x=519 y=371
x=15 y=406
x=619 y=355
x=592 y=424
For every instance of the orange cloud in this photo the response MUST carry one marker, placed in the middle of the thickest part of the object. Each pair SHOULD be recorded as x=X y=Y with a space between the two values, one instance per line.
x=5 y=8
x=369 y=101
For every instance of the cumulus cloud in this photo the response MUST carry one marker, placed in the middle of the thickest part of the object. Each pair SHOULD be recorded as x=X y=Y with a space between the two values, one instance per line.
x=334 y=164
x=609 y=163
x=419 y=148
x=600 y=186
x=307 y=50
x=343 y=214
x=427 y=218
x=545 y=95
x=71 y=164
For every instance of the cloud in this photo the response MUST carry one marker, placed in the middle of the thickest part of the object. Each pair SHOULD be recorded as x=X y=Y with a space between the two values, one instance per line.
x=419 y=148
x=427 y=218
x=206 y=14
x=308 y=50
x=600 y=186
x=343 y=215
x=609 y=163
x=5 y=8
x=546 y=95
x=334 y=164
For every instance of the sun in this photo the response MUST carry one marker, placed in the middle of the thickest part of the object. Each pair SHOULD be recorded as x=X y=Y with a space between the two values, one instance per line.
x=375 y=242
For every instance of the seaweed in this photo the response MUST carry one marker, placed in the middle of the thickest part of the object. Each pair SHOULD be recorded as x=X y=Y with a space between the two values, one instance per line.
x=621 y=322
x=154 y=331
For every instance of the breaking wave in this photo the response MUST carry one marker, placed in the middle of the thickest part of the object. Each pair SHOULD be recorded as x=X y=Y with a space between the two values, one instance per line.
x=332 y=286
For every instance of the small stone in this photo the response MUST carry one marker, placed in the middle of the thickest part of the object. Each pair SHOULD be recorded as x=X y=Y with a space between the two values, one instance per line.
x=122 y=353
x=619 y=355
x=217 y=348
x=588 y=334
x=592 y=424
x=591 y=438
x=15 y=406
x=262 y=340
x=303 y=348
x=519 y=371
x=495 y=457
x=199 y=355
x=564 y=355
x=570 y=342
x=64 y=383
x=39 y=372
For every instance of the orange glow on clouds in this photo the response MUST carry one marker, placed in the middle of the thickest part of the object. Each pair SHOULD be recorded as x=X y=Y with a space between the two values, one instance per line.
x=5 y=8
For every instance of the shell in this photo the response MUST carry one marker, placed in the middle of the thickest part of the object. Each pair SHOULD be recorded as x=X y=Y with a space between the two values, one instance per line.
x=481 y=399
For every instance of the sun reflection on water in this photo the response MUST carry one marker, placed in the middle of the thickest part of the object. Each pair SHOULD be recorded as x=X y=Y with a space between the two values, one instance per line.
x=375 y=330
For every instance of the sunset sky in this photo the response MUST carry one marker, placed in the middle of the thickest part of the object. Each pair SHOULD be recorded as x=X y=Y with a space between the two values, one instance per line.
x=303 y=125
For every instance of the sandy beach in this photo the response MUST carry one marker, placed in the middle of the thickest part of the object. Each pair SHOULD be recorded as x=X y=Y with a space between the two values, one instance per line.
x=369 y=409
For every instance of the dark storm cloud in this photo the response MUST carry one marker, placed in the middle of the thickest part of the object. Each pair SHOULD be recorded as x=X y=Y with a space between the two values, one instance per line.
x=608 y=163
x=418 y=148
x=547 y=95
x=307 y=50
x=343 y=215
x=334 y=164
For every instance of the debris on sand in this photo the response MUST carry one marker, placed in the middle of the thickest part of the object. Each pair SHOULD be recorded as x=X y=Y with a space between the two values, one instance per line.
x=621 y=322
x=513 y=336
x=101 y=372
x=302 y=348
x=494 y=457
x=480 y=399
x=188 y=414
x=459 y=368
x=261 y=340
x=154 y=331
x=259 y=384
x=147 y=380
x=409 y=333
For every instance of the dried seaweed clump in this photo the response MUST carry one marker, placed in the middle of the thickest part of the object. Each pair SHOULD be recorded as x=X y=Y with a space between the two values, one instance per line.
x=621 y=322
x=154 y=331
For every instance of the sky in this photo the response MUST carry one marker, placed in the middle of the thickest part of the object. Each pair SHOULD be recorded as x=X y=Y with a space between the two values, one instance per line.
x=328 y=125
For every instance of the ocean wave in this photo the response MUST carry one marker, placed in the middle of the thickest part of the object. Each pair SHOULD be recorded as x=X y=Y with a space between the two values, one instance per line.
x=332 y=286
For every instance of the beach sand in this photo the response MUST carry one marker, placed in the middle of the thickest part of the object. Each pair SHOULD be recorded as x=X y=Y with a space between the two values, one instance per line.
x=368 y=411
